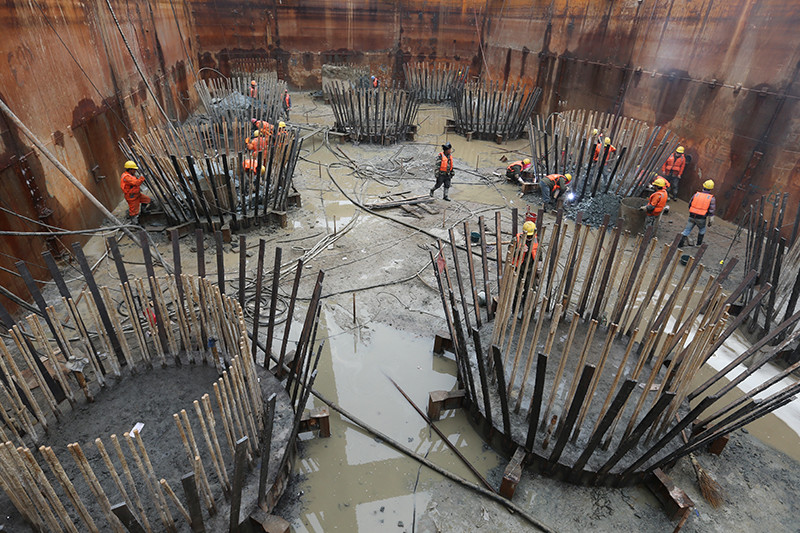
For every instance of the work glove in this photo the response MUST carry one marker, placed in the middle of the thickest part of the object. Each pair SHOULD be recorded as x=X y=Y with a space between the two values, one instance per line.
x=710 y=221
x=643 y=208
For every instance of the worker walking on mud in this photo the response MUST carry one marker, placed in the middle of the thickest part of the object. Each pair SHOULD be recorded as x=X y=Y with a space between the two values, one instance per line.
x=701 y=213
x=655 y=205
x=553 y=187
x=286 y=103
x=131 y=182
x=444 y=170
x=672 y=170
x=527 y=239
x=515 y=169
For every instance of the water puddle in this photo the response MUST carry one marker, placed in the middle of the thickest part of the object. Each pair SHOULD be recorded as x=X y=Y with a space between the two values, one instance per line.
x=353 y=482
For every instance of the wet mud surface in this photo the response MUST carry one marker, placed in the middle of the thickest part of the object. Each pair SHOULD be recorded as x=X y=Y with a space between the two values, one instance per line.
x=353 y=482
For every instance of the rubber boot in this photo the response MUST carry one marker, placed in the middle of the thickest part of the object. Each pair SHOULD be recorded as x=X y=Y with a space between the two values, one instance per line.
x=447 y=198
x=683 y=241
x=135 y=220
x=432 y=191
x=700 y=239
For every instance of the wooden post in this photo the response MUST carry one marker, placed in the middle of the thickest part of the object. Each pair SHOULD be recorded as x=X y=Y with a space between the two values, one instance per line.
x=238 y=482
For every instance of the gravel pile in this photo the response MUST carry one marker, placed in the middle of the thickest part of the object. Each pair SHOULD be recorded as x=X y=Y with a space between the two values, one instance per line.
x=594 y=209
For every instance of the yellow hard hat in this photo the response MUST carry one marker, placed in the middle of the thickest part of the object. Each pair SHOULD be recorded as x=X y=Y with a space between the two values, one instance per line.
x=679 y=149
x=568 y=177
x=263 y=170
x=595 y=132
x=526 y=161
x=660 y=182
x=281 y=124
x=529 y=227
x=608 y=140
x=255 y=133
x=131 y=165
x=708 y=184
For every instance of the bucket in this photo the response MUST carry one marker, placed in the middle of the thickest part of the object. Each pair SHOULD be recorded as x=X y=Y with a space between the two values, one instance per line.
x=632 y=218
x=475 y=237
x=685 y=259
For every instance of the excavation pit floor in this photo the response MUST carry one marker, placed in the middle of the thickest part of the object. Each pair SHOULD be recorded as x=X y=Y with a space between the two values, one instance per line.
x=353 y=482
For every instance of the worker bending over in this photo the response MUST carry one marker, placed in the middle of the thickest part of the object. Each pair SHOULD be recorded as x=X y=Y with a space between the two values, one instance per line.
x=655 y=205
x=444 y=170
x=672 y=169
x=553 y=188
x=515 y=169
x=701 y=212
x=131 y=182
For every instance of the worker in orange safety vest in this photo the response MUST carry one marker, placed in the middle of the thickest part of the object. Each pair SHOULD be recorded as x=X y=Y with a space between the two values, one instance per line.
x=253 y=89
x=701 y=213
x=525 y=262
x=131 y=183
x=672 y=170
x=553 y=187
x=258 y=143
x=658 y=200
x=444 y=170
x=598 y=148
x=286 y=103
x=516 y=168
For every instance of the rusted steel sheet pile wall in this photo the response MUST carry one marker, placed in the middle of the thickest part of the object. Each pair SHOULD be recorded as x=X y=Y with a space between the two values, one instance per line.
x=79 y=116
x=584 y=54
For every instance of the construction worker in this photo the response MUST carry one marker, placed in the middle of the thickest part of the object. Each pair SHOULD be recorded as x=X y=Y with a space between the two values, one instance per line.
x=673 y=170
x=516 y=168
x=250 y=166
x=131 y=182
x=375 y=82
x=444 y=170
x=701 y=212
x=265 y=128
x=597 y=148
x=530 y=245
x=253 y=89
x=286 y=103
x=658 y=200
x=258 y=143
x=553 y=187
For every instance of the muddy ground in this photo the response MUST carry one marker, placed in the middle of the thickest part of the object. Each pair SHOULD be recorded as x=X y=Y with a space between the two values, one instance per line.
x=380 y=314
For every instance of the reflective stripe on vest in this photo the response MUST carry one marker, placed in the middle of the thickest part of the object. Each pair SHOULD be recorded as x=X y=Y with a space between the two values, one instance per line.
x=447 y=162
x=520 y=241
x=700 y=203
x=554 y=179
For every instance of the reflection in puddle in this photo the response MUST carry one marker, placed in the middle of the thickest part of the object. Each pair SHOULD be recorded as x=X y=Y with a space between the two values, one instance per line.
x=350 y=477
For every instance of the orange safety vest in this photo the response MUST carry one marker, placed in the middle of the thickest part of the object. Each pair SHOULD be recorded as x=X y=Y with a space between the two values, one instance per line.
x=674 y=165
x=700 y=203
x=259 y=143
x=597 y=150
x=520 y=241
x=130 y=183
x=519 y=164
x=658 y=200
x=287 y=100
x=375 y=83
x=446 y=164
x=554 y=178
